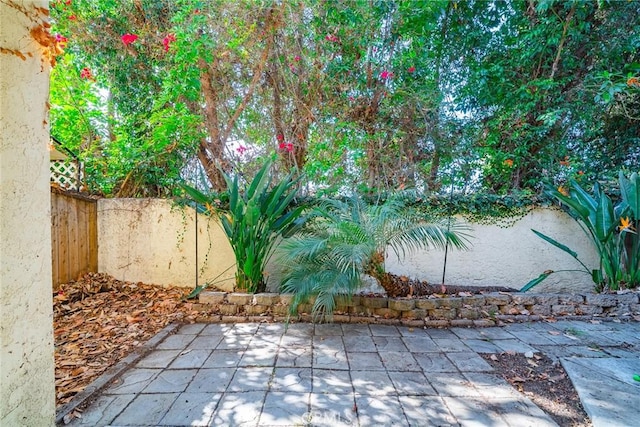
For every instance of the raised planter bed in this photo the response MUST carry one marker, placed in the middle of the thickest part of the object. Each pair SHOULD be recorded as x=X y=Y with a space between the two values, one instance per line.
x=474 y=310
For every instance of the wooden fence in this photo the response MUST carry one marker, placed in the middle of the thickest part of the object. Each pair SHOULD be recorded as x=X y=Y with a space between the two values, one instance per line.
x=74 y=236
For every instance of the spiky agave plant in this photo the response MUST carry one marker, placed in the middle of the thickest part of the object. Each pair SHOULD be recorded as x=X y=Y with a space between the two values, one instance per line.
x=345 y=240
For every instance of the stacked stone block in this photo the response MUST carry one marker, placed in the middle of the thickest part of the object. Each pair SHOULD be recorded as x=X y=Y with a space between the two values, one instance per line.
x=471 y=310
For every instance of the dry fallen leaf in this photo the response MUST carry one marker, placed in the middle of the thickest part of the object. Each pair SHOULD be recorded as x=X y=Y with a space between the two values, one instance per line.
x=99 y=320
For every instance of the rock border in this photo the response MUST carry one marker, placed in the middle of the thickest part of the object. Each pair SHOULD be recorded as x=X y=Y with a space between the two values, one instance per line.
x=474 y=310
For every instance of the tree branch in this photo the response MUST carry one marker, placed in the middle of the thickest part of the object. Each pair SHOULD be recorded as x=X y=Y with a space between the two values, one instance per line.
x=556 y=61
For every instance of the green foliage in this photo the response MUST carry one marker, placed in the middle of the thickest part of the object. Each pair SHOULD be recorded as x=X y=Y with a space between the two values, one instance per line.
x=345 y=239
x=612 y=230
x=495 y=97
x=258 y=215
x=482 y=207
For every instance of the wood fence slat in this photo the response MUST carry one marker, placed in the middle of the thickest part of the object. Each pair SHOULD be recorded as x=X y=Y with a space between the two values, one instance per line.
x=74 y=237
x=93 y=236
x=83 y=238
x=74 y=264
x=54 y=241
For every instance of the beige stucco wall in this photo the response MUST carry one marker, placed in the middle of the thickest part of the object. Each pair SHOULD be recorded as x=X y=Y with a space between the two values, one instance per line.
x=152 y=241
x=27 y=393
x=510 y=256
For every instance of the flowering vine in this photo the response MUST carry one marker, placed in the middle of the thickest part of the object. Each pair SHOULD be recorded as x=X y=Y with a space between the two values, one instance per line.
x=385 y=75
x=128 y=39
x=166 y=42
x=86 y=74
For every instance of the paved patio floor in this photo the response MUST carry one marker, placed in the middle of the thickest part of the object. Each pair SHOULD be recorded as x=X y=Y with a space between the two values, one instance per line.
x=261 y=374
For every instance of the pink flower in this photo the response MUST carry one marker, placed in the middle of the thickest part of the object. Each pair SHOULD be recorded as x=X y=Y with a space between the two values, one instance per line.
x=241 y=149
x=286 y=146
x=72 y=17
x=297 y=58
x=86 y=73
x=386 y=75
x=127 y=39
x=170 y=38
x=351 y=98
x=61 y=40
x=411 y=69
x=332 y=38
x=280 y=137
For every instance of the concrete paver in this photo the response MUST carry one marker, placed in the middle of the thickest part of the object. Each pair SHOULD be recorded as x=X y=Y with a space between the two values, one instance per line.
x=191 y=409
x=427 y=411
x=327 y=381
x=469 y=362
x=294 y=380
x=294 y=357
x=383 y=410
x=412 y=384
x=389 y=343
x=239 y=409
x=359 y=343
x=365 y=362
x=261 y=374
x=284 y=409
x=611 y=405
x=212 y=380
x=331 y=410
x=421 y=344
x=434 y=363
x=399 y=361
x=146 y=408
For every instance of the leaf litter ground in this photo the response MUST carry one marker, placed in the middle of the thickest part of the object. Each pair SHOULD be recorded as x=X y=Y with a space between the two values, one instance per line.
x=98 y=321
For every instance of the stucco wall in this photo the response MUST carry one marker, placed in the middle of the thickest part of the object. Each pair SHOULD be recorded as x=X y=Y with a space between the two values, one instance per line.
x=151 y=241
x=27 y=394
x=510 y=256
x=147 y=240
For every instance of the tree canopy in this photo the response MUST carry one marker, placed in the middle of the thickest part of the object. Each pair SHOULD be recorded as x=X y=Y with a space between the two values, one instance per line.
x=360 y=94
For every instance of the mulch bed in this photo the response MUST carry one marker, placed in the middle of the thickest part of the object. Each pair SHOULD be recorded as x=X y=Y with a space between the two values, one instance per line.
x=98 y=321
x=545 y=383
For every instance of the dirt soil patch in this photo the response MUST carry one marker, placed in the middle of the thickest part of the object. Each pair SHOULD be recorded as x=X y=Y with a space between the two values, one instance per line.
x=98 y=321
x=545 y=383
x=403 y=286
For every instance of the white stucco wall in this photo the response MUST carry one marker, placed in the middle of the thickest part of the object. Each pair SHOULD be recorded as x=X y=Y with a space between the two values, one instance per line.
x=148 y=240
x=27 y=392
x=510 y=256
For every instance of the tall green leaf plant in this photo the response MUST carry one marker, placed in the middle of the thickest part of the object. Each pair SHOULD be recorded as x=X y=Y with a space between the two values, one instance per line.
x=612 y=230
x=259 y=213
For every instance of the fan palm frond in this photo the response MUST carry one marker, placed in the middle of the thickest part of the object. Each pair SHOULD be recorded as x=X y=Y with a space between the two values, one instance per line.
x=348 y=238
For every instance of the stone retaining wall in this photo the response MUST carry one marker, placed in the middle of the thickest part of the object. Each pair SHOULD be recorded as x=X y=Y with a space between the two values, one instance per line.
x=477 y=310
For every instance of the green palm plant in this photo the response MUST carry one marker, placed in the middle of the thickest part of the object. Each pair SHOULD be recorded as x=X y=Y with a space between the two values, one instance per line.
x=344 y=240
x=259 y=213
x=612 y=229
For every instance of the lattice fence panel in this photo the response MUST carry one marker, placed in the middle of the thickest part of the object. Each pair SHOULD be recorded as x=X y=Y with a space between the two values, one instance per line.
x=68 y=175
